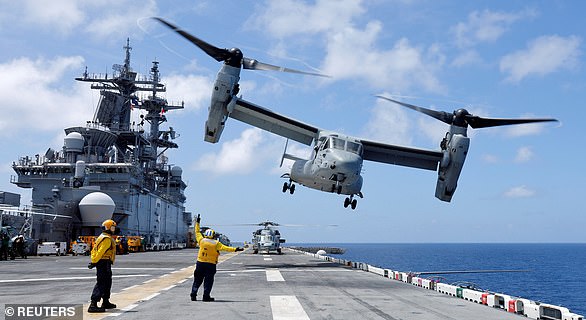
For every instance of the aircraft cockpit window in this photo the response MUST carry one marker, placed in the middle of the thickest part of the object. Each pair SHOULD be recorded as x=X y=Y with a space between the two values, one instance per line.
x=325 y=145
x=354 y=148
x=338 y=143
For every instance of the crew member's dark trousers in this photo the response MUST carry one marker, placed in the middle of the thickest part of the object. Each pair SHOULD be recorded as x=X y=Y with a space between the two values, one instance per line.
x=104 y=280
x=204 y=272
x=4 y=253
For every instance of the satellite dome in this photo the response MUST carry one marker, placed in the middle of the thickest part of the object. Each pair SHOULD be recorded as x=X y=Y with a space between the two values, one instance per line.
x=176 y=171
x=95 y=208
x=321 y=252
x=74 y=142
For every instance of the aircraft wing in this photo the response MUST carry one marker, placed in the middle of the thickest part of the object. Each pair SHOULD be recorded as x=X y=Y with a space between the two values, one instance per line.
x=273 y=122
x=402 y=156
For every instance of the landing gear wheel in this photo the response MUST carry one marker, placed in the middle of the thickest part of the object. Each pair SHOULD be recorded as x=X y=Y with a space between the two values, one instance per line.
x=346 y=202
x=354 y=203
x=292 y=189
x=339 y=189
x=285 y=187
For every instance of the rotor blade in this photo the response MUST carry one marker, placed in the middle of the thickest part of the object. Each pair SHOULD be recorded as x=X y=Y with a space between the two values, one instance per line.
x=440 y=115
x=478 y=122
x=212 y=51
x=253 y=64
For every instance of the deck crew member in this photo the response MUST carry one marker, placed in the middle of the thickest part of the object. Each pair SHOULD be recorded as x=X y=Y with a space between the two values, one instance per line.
x=18 y=245
x=207 y=258
x=103 y=256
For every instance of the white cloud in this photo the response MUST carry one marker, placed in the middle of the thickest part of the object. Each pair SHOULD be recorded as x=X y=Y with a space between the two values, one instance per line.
x=524 y=154
x=62 y=15
x=486 y=26
x=291 y=17
x=352 y=51
x=238 y=156
x=467 y=58
x=101 y=19
x=32 y=95
x=490 y=158
x=117 y=17
x=191 y=89
x=521 y=130
x=388 y=123
x=544 y=55
x=520 y=192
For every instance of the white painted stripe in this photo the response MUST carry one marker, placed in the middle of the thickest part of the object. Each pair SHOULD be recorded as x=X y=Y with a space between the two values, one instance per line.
x=115 y=314
x=180 y=282
x=266 y=255
x=274 y=275
x=81 y=268
x=286 y=308
x=131 y=287
x=168 y=288
x=129 y=307
x=150 y=280
x=268 y=259
x=70 y=278
x=151 y=296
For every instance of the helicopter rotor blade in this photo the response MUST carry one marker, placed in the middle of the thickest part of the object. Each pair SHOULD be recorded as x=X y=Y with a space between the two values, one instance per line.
x=478 y=122
x=212 y=51
x=462 y=118
x=253 y=64
x=439 y=115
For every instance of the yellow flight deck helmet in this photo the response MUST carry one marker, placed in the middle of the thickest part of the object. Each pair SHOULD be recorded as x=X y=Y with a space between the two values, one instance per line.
x=209 y=233
x=109 y=225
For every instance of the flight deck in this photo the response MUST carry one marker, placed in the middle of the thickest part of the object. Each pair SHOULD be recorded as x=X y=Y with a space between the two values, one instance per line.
x=156 y=285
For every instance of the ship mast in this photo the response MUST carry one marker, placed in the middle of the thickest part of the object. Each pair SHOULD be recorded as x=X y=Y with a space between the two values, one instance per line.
x=118 y=99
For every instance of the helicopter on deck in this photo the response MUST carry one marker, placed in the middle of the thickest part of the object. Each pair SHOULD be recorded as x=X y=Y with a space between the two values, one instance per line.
x=267 y=239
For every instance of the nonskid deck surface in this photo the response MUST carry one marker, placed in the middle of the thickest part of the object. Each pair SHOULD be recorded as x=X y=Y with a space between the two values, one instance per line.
x=156 y=285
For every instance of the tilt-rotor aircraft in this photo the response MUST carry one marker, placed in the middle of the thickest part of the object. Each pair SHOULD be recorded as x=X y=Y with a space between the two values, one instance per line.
x=336 y=160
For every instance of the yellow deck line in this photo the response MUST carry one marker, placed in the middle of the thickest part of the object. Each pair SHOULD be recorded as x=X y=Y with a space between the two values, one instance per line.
x=143 y=291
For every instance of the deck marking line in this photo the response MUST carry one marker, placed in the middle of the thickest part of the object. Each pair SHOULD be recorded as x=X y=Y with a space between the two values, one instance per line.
x=268 y=259
x=147 y=290
x=71 y=278
x=129 y=307
x=286 y=308
x=151 y=296
x=168 y=288
x=274 y=275
x=131 y=287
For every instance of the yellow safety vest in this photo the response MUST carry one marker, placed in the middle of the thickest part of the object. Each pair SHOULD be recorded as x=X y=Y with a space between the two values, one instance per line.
x=104 y=248
x=209 y=249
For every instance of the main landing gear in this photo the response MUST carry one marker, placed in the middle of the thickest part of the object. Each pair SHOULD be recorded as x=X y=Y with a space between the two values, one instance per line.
x=289 y=186
x=350 y=201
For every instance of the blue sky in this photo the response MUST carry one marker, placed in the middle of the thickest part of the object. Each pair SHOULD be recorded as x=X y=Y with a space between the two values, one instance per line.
x=496 y=58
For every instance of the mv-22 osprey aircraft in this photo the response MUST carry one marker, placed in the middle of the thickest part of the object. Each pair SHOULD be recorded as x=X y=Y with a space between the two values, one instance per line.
x=336 y=161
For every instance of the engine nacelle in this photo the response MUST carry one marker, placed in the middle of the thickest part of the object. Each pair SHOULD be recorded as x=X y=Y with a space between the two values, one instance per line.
x=451 y=166
x=223 y=94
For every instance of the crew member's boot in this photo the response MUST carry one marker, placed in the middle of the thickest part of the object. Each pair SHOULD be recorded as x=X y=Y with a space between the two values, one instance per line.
x=207 y=298
x=106 y=304
x=93 y=308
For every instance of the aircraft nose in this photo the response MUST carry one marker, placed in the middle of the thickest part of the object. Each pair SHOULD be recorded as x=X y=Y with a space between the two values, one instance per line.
x=347 y=164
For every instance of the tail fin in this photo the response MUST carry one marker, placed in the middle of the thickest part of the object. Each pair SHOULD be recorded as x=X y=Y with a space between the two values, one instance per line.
x=288 y=156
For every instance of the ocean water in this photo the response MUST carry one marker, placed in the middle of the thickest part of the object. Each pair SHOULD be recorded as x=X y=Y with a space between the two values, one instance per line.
x=556 y=272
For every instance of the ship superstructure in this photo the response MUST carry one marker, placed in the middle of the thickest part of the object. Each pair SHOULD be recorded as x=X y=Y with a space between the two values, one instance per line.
x=112 y=156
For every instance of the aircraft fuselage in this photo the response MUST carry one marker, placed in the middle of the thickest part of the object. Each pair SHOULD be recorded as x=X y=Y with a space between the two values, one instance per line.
x=335 y=166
